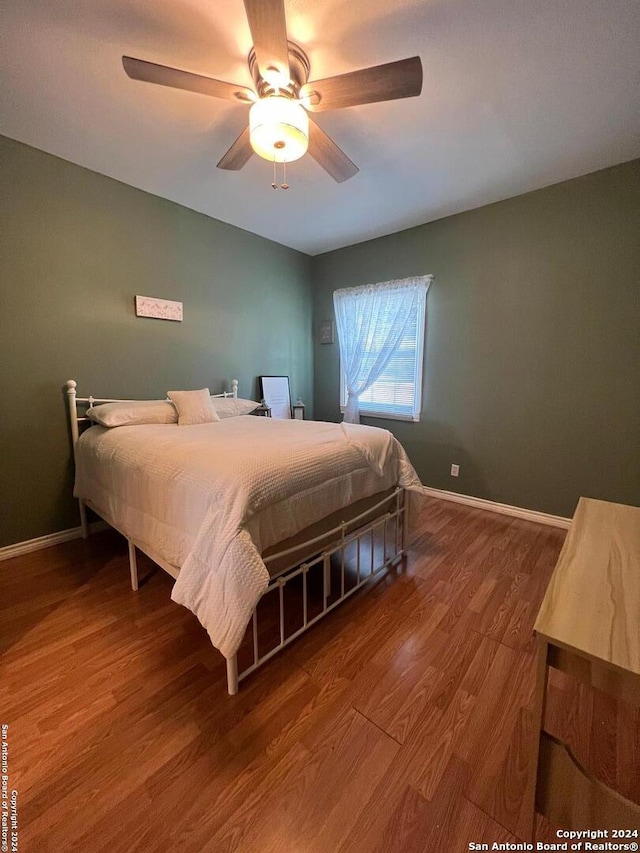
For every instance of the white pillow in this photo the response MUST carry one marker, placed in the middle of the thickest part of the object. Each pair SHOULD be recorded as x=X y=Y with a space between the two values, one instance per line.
x=133 y=413
x=194 y=407
x=228 y=407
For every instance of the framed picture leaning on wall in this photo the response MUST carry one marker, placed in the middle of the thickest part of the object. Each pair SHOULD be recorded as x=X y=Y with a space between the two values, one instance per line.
x=275 y=393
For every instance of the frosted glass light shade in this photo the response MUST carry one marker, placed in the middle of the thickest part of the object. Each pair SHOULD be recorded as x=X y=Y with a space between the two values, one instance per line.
x=278 y=129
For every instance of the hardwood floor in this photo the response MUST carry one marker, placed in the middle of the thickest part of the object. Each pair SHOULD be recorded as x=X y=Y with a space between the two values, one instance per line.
x=402 y=722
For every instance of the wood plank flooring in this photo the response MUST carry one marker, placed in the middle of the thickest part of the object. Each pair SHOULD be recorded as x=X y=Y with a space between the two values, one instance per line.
x=402 y=722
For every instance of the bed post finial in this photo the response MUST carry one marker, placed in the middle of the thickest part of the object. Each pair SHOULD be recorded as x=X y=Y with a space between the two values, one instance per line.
x=234 y=388
x=73 y=410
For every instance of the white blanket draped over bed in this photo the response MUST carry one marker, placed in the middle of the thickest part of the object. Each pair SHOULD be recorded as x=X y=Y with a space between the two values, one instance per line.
x=209 y=499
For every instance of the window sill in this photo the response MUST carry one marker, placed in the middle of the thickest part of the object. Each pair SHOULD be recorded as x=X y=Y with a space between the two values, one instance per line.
x=385 y=416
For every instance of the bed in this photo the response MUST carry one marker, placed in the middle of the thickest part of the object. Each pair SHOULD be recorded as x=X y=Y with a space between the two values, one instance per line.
x=240 y=508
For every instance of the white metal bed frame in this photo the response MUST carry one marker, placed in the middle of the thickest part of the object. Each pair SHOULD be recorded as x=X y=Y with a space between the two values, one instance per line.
x=392 y=509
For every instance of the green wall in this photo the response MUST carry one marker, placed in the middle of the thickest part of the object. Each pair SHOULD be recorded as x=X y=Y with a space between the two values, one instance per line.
x=532 y=359
x=76 y=248
x=533 y=331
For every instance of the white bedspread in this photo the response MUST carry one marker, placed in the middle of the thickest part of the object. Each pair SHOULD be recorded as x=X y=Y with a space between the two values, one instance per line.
x=210 y=498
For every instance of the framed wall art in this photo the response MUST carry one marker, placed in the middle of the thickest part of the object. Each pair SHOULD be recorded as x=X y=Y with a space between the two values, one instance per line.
x=275 y=393
x=159 y=309
x=327 y=333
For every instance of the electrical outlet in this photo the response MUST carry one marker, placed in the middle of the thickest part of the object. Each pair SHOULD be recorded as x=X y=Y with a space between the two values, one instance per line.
x=455 y=470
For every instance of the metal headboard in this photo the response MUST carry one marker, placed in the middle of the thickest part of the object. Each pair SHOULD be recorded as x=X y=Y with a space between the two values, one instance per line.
x=79 y=405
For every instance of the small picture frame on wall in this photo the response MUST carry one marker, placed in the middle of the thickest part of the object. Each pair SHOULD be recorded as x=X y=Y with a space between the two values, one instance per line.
x=159 y=309
x=327 y=333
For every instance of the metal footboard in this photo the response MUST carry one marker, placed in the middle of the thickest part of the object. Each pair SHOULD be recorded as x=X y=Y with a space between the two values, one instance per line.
x=391 y=524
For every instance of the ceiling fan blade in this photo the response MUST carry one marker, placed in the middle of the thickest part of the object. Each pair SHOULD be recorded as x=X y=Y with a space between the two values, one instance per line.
x=163 y=75
x=268 y=27
x=238 y=154
x=327 y=154
x=401 y=79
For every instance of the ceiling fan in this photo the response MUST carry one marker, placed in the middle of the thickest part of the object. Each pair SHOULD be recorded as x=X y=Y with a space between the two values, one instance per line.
x=280 y=129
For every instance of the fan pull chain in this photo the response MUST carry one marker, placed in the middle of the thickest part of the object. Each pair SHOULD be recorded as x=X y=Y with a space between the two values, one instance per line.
x=284 y=185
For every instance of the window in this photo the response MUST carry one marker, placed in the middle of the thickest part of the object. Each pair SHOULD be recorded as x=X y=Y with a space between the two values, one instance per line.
x=381 y=336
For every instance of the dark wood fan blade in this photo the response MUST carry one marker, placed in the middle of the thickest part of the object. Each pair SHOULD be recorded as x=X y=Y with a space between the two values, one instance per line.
x=268 y=27
x=163 y=75
x=401 y=79
x=327 y=154
x=238 y=154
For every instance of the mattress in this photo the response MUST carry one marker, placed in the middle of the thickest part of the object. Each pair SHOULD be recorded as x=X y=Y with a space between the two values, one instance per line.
x=209 y=499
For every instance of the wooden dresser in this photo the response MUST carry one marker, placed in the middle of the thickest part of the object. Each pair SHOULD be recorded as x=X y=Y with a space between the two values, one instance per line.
x=589 y=627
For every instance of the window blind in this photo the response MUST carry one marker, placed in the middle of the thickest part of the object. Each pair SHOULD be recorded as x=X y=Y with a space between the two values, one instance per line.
x=395 y=391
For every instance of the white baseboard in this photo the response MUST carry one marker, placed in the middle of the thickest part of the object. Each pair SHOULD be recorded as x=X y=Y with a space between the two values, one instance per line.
x=47 y=541
x=503 y=509
x=41 y=542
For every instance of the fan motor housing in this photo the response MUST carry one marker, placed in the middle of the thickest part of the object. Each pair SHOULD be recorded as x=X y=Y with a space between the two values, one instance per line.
x=299 y=68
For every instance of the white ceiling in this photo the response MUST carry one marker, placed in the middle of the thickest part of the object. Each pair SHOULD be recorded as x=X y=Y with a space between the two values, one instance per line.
x=518 y=94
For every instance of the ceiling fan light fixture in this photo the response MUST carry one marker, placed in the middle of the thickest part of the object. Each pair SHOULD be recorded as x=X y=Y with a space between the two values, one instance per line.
x=279 y=129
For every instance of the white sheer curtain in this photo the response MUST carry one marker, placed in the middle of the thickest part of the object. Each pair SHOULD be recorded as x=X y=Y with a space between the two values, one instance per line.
x=371 y=321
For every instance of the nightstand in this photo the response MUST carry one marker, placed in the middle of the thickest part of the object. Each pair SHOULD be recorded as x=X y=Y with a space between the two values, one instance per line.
x=262 y=411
